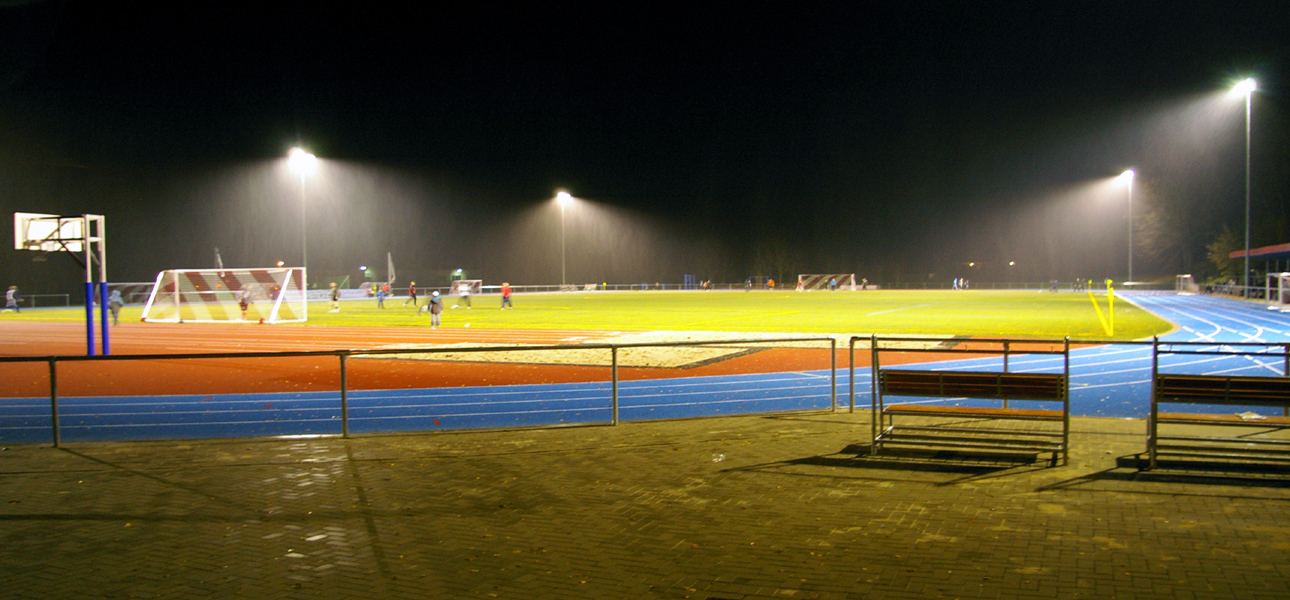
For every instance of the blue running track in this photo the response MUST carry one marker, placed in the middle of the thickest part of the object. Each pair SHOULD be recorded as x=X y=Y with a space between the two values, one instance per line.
x=1106 y=381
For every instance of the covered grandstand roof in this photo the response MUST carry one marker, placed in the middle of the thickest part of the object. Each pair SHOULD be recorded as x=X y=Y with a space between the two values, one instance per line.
x=1276 y=252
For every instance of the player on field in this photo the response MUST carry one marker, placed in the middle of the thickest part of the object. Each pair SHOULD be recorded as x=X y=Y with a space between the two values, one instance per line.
x=412 y=294
x=434 y=307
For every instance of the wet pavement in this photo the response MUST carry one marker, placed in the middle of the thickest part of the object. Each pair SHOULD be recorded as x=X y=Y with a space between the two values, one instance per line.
x=784 y=506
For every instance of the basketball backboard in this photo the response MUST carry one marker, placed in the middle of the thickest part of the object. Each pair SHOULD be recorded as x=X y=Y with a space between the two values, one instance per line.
x=48 y=233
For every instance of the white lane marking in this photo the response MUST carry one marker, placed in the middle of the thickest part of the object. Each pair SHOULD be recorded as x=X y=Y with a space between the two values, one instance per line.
x=892 y=310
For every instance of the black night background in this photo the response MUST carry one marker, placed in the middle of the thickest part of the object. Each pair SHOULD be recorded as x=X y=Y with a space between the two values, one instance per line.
x=896 y=140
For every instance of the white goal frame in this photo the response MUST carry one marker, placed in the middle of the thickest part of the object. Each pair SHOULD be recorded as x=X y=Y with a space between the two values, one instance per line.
x=1278 y=291
x=1185 y=284
x=846 y=281
x=476 y=287
x=274 y=295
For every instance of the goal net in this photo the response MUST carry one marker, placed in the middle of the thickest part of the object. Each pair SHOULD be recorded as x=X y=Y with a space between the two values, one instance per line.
x=228 y=296
x=1185 y=284
x=1278 y=292
x=469 y=286
x=842 y=281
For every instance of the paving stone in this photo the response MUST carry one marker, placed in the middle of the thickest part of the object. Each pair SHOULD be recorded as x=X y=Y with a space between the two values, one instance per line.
x=796 y=509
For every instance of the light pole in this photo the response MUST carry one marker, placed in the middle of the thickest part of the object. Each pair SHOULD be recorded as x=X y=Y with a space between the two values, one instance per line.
x=1246 y=88
x=563 y=198
x=1127 y=178
x=303 y=163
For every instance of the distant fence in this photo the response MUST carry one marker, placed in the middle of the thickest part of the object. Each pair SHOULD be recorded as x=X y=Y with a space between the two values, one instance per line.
x=447 y=397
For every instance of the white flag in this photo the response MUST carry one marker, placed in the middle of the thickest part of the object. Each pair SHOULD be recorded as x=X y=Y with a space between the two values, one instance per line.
x=389 y=268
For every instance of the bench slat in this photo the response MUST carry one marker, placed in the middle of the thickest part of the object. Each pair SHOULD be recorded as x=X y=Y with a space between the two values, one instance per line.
x=1220 y=389
x=985 y=385
x=967 y=411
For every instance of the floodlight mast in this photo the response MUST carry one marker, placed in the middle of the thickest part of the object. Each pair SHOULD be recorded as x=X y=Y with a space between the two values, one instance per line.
x=303 y=163
x=1127 y=178
x=1246 y=88
x=563 y=198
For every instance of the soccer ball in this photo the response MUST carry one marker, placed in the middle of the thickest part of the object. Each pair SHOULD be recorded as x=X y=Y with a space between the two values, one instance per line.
x=467 y=324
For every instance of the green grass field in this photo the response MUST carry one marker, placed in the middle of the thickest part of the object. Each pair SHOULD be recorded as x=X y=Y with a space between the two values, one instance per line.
x=1026 y=314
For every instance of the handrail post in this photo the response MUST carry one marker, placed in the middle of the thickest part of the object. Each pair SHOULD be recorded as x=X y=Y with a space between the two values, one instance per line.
x=833 y=371
x=875 y=400
x=53 y=397
x=344 y=398
x=851 y=374
x=613 y=375
x=1066 y=401
x=1151 y=415
x=1006 y=346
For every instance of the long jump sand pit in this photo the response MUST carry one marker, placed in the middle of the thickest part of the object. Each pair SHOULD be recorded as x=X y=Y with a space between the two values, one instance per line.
x=196 y=375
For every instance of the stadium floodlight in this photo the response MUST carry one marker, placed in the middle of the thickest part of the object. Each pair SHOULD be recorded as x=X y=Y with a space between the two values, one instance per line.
x=1246 y=88
x=303 y=164
x=564 y=199
x=1127 y=179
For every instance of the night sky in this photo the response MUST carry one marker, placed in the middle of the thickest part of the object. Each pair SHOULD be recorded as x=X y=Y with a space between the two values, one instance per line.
x=895 y=140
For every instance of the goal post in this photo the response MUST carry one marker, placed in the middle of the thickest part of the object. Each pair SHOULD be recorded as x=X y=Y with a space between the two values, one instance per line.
x=274 y=295
x=1278 y=291
x=1185 y=284
x=843 y=281
x=473 y=287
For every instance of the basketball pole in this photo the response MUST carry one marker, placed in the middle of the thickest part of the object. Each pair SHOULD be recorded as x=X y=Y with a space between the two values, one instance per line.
x=92 y=236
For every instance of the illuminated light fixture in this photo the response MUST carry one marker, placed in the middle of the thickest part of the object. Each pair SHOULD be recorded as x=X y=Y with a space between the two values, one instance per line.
x=302 y=163
x=1243 y=88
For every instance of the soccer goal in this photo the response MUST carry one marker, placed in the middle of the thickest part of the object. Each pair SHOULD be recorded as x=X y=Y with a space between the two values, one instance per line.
x=228 y=296
x=1278 y=292
x=1185 y=284
x=469 y=286
x=842 y=281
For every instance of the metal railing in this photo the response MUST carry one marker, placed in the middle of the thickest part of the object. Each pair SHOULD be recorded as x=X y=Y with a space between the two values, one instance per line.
x=343 y=357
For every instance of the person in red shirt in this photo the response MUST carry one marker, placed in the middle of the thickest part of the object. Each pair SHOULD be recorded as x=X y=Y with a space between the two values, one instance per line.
x=412 y=294
x=506 y=296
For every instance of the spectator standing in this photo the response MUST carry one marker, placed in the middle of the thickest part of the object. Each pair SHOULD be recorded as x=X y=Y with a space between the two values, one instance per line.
x=11 y=298
x=115 y=302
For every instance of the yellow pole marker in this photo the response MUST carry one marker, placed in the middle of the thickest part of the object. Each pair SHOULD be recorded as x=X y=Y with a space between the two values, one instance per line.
x=1101 y=317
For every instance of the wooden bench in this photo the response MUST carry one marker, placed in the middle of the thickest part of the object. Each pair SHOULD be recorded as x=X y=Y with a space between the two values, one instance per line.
x=1221 y=390
x=994 y=428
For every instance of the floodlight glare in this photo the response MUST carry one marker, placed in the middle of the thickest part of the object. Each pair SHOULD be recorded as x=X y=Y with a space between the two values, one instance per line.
x=1244 y=88
x=301 y=162
x=1127 y=177
x=563 y=198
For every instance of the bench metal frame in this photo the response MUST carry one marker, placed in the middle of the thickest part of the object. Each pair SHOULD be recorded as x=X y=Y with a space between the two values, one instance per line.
x=1222 y=390
x=1003 y=386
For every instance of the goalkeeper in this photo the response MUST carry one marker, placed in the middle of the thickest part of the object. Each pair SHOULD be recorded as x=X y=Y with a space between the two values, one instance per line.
x=463 y=290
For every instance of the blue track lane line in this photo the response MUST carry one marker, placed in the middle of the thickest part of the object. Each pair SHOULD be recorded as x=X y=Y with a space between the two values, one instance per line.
x=1106 y=381
x=84 y=419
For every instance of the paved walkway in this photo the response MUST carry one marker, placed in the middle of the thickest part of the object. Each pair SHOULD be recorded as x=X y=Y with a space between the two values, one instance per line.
x=730 y=508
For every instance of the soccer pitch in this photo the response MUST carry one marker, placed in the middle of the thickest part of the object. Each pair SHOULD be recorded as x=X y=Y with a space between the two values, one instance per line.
x=1022 y=314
